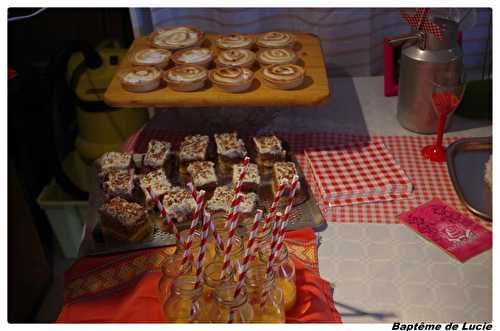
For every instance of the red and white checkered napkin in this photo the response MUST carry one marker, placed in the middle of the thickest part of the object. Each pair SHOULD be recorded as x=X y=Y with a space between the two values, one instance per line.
x=357 y=173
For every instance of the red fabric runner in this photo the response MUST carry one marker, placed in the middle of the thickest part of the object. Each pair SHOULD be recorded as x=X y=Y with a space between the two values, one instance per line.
x=123 y=288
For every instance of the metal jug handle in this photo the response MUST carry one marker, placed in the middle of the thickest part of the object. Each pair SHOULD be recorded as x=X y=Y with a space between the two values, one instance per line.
x=418 y=36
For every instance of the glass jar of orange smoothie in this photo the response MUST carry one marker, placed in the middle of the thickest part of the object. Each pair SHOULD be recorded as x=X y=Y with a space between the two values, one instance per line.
x=228 y=307
x=182 y=306
x=236 y=251
x=268 y=308
x=212 y=278
x=284 y=270
x=195 y=246
x=171 y=268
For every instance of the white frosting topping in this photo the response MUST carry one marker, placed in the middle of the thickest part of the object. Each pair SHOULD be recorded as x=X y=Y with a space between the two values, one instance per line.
x=275 y=39
x=158 y=182
x=195 y=55
x=151 y=56
x=229 y=145
x=277 y=56
x=202 y=173
x=194 y=148
x=233 y=41
x=283 y=72
x=186 y=74
x=268 y=145
x=231 y=75
x=180 y=204
x=142 y=75
x=222 y=197
x=119 y=182
x=251 y=175
x=178 y=37
x=284 y=172
x=235 y=57
x=114 y=160
x=157 y=153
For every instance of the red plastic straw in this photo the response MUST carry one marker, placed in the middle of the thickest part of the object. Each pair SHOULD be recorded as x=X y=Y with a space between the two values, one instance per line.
x=248 y=253
x=274 y=206
x=189 y=240
x=165 y=215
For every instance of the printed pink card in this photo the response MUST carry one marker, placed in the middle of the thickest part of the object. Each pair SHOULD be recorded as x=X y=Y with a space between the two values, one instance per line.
x=452 y=231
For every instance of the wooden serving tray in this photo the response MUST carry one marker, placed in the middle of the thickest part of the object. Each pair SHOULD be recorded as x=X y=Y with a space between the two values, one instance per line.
x=313 y=91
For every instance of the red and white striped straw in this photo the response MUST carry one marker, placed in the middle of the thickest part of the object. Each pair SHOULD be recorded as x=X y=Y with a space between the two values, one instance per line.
x=243 y=171
x=218 y=238
x=274 y=206
x=201 y=256
x=272 y=253
x=203 y=248
x=248 y=253
x=233 y=223
x=189 y=239
x=165 y=215
x=294 y=187
x=216 y=234
x=233 y=216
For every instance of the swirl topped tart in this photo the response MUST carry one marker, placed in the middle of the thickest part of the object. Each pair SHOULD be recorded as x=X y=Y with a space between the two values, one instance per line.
x=186 y=77
x=276 y=56
x=196 y=55
x=283 y=76
x=177 y=37
x=275 y=39
x=140 y=78
x=232 y=79
x=151 y=57
x=239 y=57
x=234 y=40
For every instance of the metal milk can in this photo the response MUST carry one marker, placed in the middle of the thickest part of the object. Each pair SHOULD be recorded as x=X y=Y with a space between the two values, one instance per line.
x=426 y=59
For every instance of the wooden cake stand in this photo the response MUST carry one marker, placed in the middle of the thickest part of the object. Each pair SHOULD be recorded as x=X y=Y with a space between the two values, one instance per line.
x=313 y=91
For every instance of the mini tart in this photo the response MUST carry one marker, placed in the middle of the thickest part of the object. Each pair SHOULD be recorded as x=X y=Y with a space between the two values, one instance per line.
x=186 y=78
x=231 y=79
x=141 y=78
x=177 y=37
x=235 y=58
x=276 y=56
x=234 y=40
x=283 y=76
x=195 y=55
x=151 y=57
x=275 y=39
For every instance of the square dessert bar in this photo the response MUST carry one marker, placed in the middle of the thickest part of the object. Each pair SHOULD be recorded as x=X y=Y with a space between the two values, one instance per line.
x=179 y=204
x=251 y=181
x=269 y=150
x=202 y=174
x=158 y=182
x=119 y=183
x=158 y=156
x=230 y=150
x=113 y=161
x=283 y=173
x=125 y=221
x=220 y=203
x=193 y=148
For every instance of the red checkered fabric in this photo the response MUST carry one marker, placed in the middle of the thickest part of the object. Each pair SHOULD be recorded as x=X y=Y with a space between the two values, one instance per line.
x=430 y=179
x=421 y=17
x=357 y=173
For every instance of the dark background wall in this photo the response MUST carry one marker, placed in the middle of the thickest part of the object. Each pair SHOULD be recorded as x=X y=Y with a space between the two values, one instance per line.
x=31 y=45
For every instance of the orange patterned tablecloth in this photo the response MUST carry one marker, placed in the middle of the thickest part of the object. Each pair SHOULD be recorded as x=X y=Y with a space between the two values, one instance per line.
x=123 y=288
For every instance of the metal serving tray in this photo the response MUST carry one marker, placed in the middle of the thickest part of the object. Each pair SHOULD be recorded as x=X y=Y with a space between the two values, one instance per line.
x=304 y=214
x=466 y=160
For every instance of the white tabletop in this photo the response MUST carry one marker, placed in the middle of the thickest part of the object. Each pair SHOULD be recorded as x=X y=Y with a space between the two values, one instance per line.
x=381 y=272
x=386 y=272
